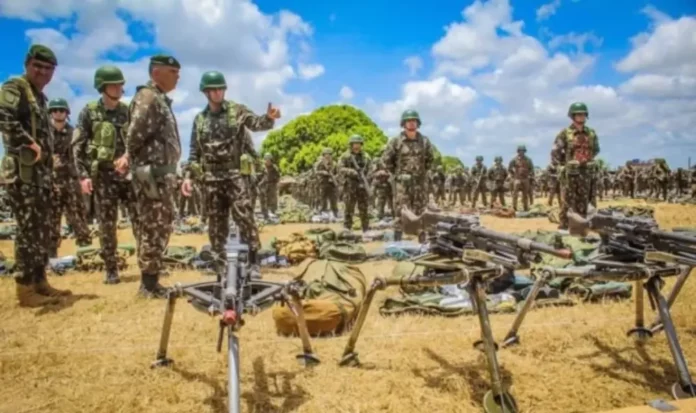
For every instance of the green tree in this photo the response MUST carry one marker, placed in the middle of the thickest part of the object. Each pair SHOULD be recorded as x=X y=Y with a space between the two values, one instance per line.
x=297 y=145
x=602 y=164
x=451 y=162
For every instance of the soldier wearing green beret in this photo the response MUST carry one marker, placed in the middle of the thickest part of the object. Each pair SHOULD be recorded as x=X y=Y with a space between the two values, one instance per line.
x=99 y=143
x=326 y=173
x=479 y=174
x=218 y=142
x=522 y=170
x=153 y=150
x=268 y=185
x=497 y=175
x=66 y=196
x=27 y=173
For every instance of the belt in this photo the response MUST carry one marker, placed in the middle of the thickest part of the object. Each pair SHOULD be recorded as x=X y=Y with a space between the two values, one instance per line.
x=162 y=170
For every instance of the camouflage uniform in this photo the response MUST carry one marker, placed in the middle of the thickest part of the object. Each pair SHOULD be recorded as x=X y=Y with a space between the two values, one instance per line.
x=498 y=174
x=439 y=184
x=326 y=174
x=457 y=184
x=268 y=186
x=355 y=191
x=680 y=181
x=187 y=205
x=153 y=149
x=408 y=159
x=98 y=140
x=66 y=187
x=660 y=173
x=24 y=121
x=522 y=169
x=627 y=179
x=381 y=183
x=552 y=172
x=575 y=149
x=478 y=177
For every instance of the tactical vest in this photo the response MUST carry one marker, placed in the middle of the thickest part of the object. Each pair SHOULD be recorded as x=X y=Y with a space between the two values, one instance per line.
x=102 y=146
x=580 y=146
x=498 y=173
x=218 y=154
x=521 y=168
x=410 y=155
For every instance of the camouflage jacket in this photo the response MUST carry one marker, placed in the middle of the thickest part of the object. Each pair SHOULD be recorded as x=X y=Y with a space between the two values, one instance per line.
x=497 y=173
x=218 y=139
x=438 y=179
x=23 y=110
x=457 y=181
x=269 y=175
x=521 y=168
x=552 y=173
x=350 y=172
x=63 y=163
x=414 y=157
x=572 y=144
x=326 y=172
x=478 y=174
x=153 y=135
x=380 y=175
x=92 y=122
x=660 y=172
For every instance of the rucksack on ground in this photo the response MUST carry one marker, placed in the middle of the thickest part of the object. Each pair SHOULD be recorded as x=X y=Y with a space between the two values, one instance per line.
x=343 y=251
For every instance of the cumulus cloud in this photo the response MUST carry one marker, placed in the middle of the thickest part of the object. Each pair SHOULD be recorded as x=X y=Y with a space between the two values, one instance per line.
x=346 y=93
x=310 y=71
x=547 y=10
x=414 y=64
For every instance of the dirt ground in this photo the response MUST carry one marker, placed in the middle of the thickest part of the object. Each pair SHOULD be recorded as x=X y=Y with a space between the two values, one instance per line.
x=93 y=354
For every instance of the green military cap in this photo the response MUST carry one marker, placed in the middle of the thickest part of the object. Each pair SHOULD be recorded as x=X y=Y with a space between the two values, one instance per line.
x=522 y=148
x=165 y=60
x=42 y=53
x=356 y=139
x=499 y=158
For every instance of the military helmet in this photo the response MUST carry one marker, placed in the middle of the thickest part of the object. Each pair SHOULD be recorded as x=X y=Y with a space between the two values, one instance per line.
x=212 y=80
x=355 y=139
x=108 y=75
x=326 y=151
x=479 y=158
x=578 y=107
x=499 y=159
x=58 y=104
x=440 y=168
x=410 y=115
x=522 y=148
x=268 y=156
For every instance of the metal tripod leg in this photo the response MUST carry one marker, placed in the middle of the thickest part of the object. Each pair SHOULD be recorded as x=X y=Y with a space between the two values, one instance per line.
x=308 y=358
x=233 y=386
x=685 y=387
x=656 y=326
x=639 y=331
x=512 y=338
x=350 y=357
x=496 y=400
x=162 y=360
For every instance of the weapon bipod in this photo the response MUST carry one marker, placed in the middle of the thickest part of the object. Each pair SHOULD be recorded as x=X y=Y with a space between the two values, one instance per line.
x=496 y=400
x=646 y=279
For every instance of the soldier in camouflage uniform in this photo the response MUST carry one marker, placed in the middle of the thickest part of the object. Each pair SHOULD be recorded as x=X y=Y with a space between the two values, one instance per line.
x=268 y=186
x=575 y=148
x=66 y=188
x=153 y=150
x=680 y=181
x=382 y=187
x=479 y=172
x=218 y=142
x=627 y=178
x=98 y=141
x=247 y=169
x=438 y=182
x=458 y=187
x=408 y=157
x=497 y=175
x=326 y=174
x=468 y=185
x=552 y=173
x=27 y=174
x=660 y=173
x=187 y=205
x=355 y=165
x=522 y=169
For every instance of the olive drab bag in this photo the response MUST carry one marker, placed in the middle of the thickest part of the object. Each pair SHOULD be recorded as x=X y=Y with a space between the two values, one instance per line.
x=343 y=251
x=102 y=146
x=295 y=247
x=179 y=256
x=89 y=258
x=331 y=300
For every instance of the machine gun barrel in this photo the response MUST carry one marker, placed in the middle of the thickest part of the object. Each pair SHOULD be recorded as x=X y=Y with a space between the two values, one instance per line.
x=524 y=244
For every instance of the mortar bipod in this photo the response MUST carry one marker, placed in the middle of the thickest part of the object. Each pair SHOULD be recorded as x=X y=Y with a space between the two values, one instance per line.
x=498 y=399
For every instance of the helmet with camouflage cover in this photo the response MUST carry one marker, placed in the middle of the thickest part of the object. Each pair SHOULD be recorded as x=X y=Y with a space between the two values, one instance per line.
x=522 y=148
x=577 y=107
x=212 y=80
x=56 y=104
x=410 y=115
x=326 y=151
x=108 y=75
x=479 y=158
x=499 y=159
x=355 y=139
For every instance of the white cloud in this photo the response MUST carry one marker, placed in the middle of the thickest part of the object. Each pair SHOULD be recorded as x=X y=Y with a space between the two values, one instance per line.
x=310 y=71
x=346 y=93
x=660 y=86
x=577 y=40
x=547 y=10
x=414 y=64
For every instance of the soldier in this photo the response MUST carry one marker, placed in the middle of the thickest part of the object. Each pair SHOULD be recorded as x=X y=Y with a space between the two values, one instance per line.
x=478 y=177
x=408 y=157
x=660 y=174
x=438 y=182
x=680 y=181
x=356 y=166
x=522 y=169
x=382 y=185
x=554 y=185
x=98 y=142
x=153 y=152
x=627 y=179
x=468 y=185
x=247 y=169
x=497 y=175
x=326 y=174
x=27 y=173
x=66 y=189
x=218 y=143
x=575 y=148
x=268 y=186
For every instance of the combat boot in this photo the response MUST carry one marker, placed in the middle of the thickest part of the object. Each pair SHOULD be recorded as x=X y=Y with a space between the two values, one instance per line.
x=42 y=287
x=28 y=297
x=151 y=288
x=112 y=277
x=398 y=235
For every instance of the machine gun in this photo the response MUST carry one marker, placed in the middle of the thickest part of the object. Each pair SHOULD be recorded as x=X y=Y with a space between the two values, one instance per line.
x=461 y=252
x=234 y=294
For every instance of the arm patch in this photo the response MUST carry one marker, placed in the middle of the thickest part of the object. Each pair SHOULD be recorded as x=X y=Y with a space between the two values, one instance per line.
x=9 y=98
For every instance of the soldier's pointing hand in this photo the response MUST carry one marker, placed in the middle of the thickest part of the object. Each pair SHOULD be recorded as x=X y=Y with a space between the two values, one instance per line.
x=273 y=113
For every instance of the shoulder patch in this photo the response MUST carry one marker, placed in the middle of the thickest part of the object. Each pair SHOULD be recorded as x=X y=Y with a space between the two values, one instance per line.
x=9 y=97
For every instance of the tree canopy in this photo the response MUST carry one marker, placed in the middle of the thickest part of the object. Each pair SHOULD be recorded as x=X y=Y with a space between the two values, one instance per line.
x=297 y=145
x=450 y=163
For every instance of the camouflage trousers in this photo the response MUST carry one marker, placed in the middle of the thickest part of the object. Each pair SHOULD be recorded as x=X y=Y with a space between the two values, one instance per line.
x=576 y=195
x=156 y=217
x=629 y=189
x=440 y=193
x=352 y=196
x=109 y=194
x=554 y=192
x=269 y=199
x=411 y=196
x=384 y=197
x=31 y=206
x=521 y=186
x=230 y=197
x=479 y=190
x=328 y=195
x=498 y=193
x=252 y=190
x=67 y=200
x=457 y=194
x=189 y=205
x=90 y=207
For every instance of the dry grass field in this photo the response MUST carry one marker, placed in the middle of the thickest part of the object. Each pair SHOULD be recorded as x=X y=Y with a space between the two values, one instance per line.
x=93 y=354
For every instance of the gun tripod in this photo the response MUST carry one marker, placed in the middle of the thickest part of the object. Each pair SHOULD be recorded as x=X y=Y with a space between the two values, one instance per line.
x=230 y=297
x=496 y=400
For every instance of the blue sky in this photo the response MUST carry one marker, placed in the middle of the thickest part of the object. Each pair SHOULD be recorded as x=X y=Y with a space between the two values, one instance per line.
x=362 y=46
